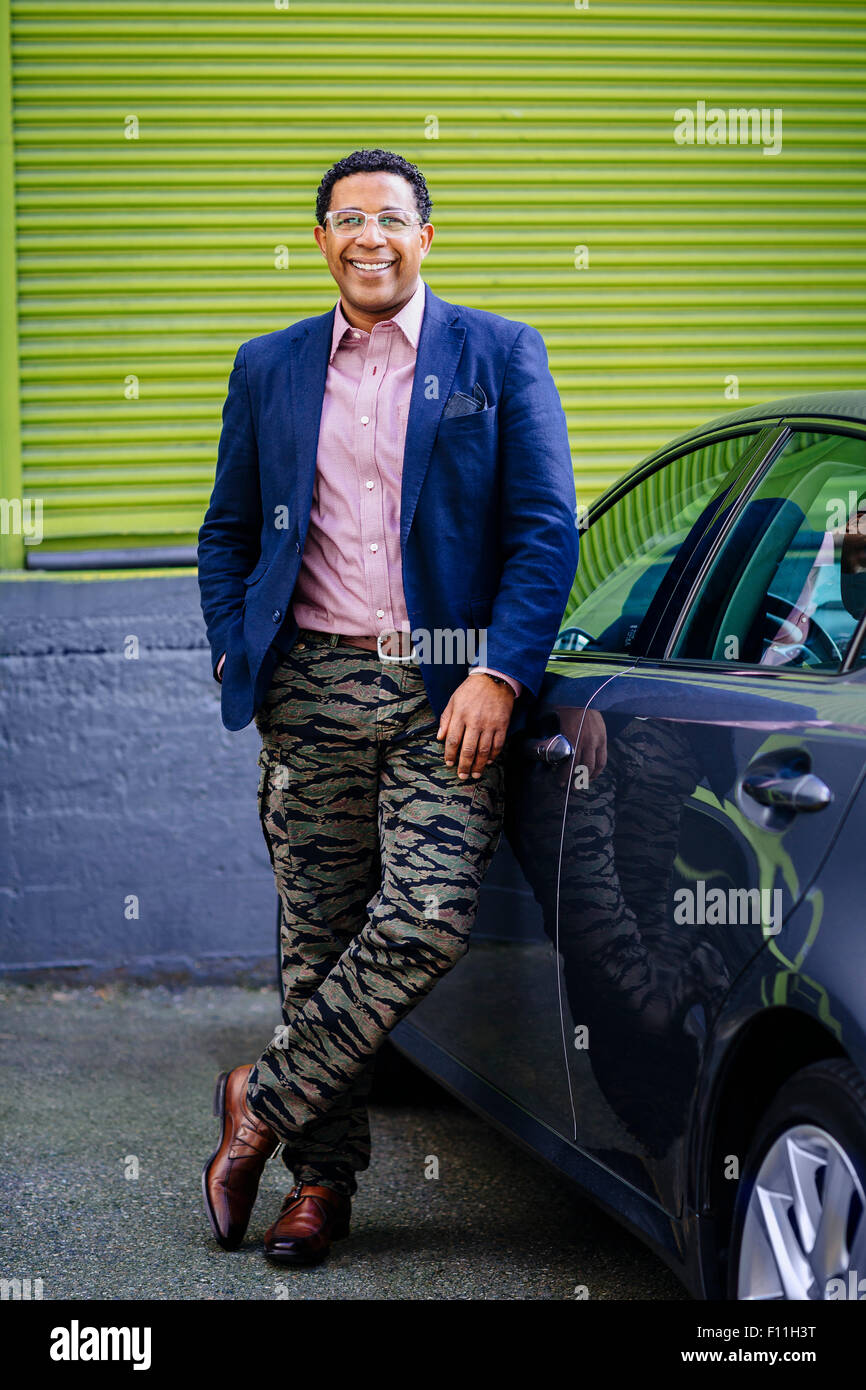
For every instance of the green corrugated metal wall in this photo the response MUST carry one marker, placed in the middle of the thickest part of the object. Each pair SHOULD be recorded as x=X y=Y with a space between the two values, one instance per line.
x=153 y=258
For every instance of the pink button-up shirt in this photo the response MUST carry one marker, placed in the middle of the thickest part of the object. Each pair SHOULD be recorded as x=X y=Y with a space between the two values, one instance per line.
x=351 y=577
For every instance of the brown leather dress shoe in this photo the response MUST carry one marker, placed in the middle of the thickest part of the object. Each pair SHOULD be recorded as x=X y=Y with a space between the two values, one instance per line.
x=310 y=1218
x=230 y=1179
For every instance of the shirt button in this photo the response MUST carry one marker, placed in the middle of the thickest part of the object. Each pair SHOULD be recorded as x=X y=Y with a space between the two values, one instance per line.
x=365 y=419
x=369 y=483
x=356 y=335
x=276 y=615
x=380 y=612
x=374 y=547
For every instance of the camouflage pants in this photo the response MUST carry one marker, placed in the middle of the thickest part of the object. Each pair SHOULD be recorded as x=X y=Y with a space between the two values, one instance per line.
x=378 y=851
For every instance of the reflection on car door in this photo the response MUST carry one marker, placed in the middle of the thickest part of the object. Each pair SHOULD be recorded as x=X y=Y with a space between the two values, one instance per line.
x=512 y=982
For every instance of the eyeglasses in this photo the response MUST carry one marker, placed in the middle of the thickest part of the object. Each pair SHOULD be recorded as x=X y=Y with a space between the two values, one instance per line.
x=352 y=222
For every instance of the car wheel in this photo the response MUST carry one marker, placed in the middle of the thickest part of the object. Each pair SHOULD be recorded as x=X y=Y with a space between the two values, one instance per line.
x=800 y=1217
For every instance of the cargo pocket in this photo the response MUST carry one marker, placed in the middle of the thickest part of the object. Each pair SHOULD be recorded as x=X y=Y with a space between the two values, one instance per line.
x=273 y=789
x=483 y=829
x=272 y=785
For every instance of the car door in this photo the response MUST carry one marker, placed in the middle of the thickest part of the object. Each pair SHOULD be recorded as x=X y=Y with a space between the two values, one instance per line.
x=501 y=1009
x=731 y=750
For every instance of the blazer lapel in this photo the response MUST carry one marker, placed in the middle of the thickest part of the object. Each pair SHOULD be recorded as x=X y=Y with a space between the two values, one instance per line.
x=439 y=347
x=309 y=370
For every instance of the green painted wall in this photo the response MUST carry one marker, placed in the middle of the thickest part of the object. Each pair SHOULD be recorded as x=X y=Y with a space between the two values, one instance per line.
x=153 y=257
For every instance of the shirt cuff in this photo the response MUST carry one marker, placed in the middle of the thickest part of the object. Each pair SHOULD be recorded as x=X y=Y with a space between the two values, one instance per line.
x=489 y=671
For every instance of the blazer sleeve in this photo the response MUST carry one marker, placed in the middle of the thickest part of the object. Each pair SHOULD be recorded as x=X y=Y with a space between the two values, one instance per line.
x=229 y=541
x=538 y=516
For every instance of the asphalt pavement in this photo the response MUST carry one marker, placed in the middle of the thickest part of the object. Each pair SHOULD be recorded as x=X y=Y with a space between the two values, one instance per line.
x=107 y=1120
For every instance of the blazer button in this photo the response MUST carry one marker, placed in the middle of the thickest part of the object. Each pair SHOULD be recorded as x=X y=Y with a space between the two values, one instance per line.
x=297 y=547
x=276 y=615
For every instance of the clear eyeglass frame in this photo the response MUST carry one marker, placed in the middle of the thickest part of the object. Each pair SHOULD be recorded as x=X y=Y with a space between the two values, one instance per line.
x=386 y=212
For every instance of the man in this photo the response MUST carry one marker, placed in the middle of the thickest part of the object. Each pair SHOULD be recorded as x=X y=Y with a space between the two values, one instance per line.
x=393 y=487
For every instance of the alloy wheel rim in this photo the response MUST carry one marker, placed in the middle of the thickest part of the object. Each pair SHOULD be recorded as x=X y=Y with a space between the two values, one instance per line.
x=806 y=1220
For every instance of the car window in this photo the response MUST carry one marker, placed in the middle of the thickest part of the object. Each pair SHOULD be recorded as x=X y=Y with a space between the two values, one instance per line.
x=788 y=586
x=628 y=550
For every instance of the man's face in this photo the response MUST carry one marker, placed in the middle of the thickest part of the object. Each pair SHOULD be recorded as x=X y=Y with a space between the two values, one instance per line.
x=370 y=292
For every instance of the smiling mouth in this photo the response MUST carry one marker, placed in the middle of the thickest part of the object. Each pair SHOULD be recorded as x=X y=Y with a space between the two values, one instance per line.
x=371 y=267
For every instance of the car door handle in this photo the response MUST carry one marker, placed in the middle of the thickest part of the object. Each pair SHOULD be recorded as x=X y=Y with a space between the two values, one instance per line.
x=804 y=793
x=547 y=750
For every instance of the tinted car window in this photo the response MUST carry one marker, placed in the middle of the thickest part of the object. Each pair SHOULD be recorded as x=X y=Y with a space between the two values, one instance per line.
x=628 y=550
x=788 y=587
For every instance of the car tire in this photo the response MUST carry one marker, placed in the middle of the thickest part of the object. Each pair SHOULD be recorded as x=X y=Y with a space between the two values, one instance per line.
x=807 y=1160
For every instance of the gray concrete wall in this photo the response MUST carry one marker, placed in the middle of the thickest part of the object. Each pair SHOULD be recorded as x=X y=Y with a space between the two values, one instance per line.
x=119 y=781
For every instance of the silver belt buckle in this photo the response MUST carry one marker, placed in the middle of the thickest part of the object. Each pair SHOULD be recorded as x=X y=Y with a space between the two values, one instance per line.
x=383 y=656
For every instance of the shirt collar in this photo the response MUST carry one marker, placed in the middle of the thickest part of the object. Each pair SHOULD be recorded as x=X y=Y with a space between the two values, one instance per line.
x=408 y=320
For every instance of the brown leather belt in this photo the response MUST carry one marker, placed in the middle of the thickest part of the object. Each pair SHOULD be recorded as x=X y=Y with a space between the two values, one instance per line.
x=394 y=644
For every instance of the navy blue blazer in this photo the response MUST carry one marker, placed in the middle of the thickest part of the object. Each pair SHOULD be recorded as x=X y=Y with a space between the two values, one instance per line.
x=488 y=520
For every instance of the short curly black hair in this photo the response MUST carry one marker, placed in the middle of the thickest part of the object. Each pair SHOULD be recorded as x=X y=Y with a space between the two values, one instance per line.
x=374 y=162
